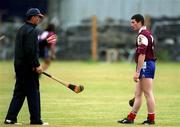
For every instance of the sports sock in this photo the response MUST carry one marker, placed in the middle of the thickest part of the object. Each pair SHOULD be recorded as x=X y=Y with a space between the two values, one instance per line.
x=131 y=116
x=151 y=117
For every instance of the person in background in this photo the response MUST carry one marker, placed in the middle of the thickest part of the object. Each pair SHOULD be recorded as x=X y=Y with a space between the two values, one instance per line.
x=27 y=69
x=144 y=73
x=47 y=45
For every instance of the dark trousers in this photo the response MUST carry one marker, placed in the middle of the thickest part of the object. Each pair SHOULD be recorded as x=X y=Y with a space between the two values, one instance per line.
x=27 y=85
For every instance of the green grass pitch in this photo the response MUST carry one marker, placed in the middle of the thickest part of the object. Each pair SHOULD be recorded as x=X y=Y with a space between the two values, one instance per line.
x=108 y=87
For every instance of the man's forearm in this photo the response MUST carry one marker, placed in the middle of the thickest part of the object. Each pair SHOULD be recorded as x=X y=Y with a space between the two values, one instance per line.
x=140 y=63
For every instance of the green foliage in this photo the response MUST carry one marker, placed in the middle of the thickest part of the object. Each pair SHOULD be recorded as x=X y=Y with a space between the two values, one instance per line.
x=163 y=55
x=108 y=87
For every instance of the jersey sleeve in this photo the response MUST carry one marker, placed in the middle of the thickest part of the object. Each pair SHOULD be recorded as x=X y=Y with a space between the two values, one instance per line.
x=142 y=42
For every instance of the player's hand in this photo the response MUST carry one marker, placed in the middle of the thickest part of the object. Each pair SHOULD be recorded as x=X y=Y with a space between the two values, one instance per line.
x=39 y=70
x=52 y=39
x=136 y=76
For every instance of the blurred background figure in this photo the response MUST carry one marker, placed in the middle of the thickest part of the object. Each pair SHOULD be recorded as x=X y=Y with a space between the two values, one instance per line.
x=47 y=45
x=82 y=25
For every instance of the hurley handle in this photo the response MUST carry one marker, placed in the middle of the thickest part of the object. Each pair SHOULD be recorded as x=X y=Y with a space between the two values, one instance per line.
x=47 y=74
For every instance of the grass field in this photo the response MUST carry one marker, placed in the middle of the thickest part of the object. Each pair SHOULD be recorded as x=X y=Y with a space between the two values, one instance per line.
x=108 y=87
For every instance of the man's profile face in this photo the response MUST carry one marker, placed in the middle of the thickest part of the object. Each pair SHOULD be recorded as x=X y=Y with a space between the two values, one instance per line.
x=36 y=19
x=135 y=25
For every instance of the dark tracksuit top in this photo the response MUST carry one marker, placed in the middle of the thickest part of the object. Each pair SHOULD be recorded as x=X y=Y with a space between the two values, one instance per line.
x=27 y=80
x=26 y=47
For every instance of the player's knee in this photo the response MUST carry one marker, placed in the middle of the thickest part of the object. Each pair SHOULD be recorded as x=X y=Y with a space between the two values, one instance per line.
x=147 y=94
x=138 y=93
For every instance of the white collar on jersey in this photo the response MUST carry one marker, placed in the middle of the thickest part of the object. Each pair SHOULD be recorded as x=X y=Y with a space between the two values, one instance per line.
x=142 y=28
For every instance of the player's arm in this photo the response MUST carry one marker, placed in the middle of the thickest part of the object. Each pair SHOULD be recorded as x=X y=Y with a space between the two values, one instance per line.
x=30 y=49
x=142 y=45
x=52 y=40
x=140 y=63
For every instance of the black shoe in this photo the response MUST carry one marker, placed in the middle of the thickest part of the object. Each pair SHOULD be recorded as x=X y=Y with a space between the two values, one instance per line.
x=38 y=123
x=125 y=121
x=7 y=121
x=148 y=122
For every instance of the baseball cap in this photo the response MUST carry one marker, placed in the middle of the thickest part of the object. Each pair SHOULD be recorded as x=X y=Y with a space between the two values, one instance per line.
x=33 y=12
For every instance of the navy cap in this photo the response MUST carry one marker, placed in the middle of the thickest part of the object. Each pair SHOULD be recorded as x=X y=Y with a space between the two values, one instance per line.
x=33 y=12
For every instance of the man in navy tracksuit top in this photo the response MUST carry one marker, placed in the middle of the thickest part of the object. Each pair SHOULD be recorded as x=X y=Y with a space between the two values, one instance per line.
x=144 y=74
x=27 y=69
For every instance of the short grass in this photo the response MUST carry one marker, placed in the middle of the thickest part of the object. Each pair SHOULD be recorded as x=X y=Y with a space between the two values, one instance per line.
x=108 y=87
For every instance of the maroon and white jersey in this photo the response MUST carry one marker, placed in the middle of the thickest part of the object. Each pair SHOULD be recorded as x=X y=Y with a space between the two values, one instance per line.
x=49 y=36
x=145 y=44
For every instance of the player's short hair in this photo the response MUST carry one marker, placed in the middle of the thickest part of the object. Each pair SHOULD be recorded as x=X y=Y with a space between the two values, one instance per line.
x=138 y=18
x=51 y=27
